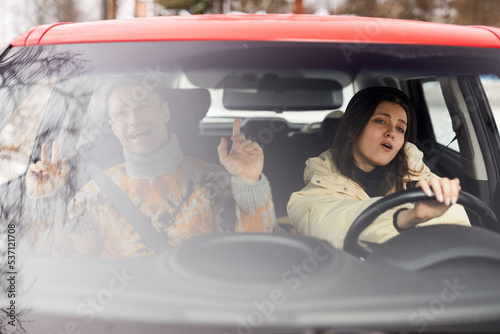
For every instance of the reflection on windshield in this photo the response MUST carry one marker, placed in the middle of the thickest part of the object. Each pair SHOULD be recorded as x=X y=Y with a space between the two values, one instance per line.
x=107 y=143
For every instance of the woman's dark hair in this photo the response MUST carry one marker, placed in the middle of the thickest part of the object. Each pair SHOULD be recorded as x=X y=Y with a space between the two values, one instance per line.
x=358 y=112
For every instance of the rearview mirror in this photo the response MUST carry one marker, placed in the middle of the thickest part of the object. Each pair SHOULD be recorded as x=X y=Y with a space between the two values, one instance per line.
x=273 y=93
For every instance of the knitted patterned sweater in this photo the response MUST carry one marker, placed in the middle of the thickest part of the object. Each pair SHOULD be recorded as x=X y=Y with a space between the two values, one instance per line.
x=183 y=197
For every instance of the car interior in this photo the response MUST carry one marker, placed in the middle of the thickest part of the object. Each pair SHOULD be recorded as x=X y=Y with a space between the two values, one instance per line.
x=287 y=145
x=291 y=106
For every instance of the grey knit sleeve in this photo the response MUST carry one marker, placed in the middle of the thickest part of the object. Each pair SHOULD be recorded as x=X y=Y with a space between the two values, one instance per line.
x=251 y=195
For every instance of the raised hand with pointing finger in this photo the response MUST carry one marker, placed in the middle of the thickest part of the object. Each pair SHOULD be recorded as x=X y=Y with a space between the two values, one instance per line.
x=47 y=176
x=245 y=160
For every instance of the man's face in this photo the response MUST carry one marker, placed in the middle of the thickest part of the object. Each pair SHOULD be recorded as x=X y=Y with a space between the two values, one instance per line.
x=139 y=122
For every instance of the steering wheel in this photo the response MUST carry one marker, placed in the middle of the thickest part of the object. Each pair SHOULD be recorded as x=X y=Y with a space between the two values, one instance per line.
x=351 y=245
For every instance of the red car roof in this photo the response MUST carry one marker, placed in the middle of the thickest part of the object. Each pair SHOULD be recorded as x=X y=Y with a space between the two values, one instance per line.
x=267 y=27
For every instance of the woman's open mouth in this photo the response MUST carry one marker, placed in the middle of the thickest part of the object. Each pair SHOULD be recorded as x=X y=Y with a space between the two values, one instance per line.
x=387 y=147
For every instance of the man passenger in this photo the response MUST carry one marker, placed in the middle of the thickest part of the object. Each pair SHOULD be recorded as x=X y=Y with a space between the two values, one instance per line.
x=182 y=196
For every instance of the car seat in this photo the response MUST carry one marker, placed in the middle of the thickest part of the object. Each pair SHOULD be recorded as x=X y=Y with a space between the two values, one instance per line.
x=329 y=127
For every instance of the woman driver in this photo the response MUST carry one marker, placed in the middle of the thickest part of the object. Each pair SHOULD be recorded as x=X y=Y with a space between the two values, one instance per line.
x=371 y=157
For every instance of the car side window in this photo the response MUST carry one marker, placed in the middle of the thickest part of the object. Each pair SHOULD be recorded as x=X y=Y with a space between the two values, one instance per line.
x=491 y=85
x=21 y=113
x=439 y=115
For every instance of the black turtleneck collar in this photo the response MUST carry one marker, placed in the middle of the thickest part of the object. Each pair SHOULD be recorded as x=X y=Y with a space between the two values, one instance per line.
x=371 y=181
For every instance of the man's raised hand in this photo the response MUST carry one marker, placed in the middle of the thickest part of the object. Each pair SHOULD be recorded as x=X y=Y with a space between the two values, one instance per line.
x=47 y=176
x=245 y=160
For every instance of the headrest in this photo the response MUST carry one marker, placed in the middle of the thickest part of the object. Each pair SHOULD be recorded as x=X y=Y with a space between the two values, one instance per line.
x=265 y=130
x=329 y=126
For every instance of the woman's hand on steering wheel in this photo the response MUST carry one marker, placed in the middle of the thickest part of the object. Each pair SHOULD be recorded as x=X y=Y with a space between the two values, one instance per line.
x=445 y=193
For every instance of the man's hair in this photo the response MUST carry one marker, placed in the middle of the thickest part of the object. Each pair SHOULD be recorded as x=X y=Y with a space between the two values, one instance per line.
x=358 y=112
x=140 y=85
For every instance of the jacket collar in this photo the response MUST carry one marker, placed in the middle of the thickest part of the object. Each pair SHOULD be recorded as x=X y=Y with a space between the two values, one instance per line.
x=323 y=169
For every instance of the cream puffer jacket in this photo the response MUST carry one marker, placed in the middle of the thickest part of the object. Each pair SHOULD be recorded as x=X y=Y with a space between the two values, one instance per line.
x=329 y=203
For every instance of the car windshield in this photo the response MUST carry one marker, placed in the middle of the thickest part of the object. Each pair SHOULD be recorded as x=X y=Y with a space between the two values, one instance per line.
x=288 y=96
